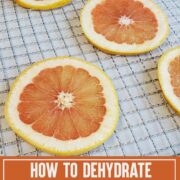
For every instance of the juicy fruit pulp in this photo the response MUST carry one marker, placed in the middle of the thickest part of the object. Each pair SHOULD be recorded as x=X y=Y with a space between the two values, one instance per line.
x=174 y=71
x=124 y=21
x=63 y=102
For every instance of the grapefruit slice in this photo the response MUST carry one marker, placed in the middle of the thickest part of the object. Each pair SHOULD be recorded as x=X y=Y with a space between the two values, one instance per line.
x=124 y=27
x=42 y=4
x=63 y=106
x=169 y=77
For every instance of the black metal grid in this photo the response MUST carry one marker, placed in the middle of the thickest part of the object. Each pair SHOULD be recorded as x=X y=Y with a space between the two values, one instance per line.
x=147 y=126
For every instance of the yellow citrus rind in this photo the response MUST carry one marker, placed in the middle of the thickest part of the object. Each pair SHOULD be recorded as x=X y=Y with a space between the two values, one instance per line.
x=49 y=149
x=42 y=5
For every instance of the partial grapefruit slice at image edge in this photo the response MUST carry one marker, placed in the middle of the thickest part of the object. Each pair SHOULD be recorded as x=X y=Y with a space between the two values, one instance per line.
x=169 y=77
x=42 y=4
x=63 y=106
x=125 y=27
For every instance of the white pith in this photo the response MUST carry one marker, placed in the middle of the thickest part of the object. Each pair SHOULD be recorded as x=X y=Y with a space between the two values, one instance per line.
x=51 y=143
x=165 y=79
x=101 y=41
x=64 y=100
x=126 y=21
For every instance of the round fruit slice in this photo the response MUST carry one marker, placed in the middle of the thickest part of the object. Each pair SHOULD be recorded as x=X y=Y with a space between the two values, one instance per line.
x=169 y=77
x=124 y=26
x=42 y=4
x=63 y=106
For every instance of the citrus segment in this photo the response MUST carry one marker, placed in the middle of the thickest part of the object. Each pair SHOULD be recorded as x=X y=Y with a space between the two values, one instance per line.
x=84 y=126
x=33 y=92
x=66 y=128
x=124 y=26
x=174 y=71
x=30 y=111
x=169 y=76
x=66 y=77
x=46 y=123
x=42 y=4
x=61 y=102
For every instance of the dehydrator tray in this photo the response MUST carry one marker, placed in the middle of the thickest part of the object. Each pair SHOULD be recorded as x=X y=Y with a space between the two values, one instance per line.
x=147 y=125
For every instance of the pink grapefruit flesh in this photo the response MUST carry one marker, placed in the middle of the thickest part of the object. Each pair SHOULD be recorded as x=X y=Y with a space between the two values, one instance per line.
x=64 y=102
x=124 y=21
x=174 y=71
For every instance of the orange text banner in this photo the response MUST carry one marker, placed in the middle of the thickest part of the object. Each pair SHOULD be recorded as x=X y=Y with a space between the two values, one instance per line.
x=78 y=168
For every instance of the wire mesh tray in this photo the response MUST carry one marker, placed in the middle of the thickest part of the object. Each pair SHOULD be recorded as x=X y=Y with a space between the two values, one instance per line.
x=147 y=126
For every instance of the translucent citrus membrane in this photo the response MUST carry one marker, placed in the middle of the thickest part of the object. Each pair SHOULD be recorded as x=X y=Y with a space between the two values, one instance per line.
x=63 y=102
x=174 y=70
x=124 y=21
